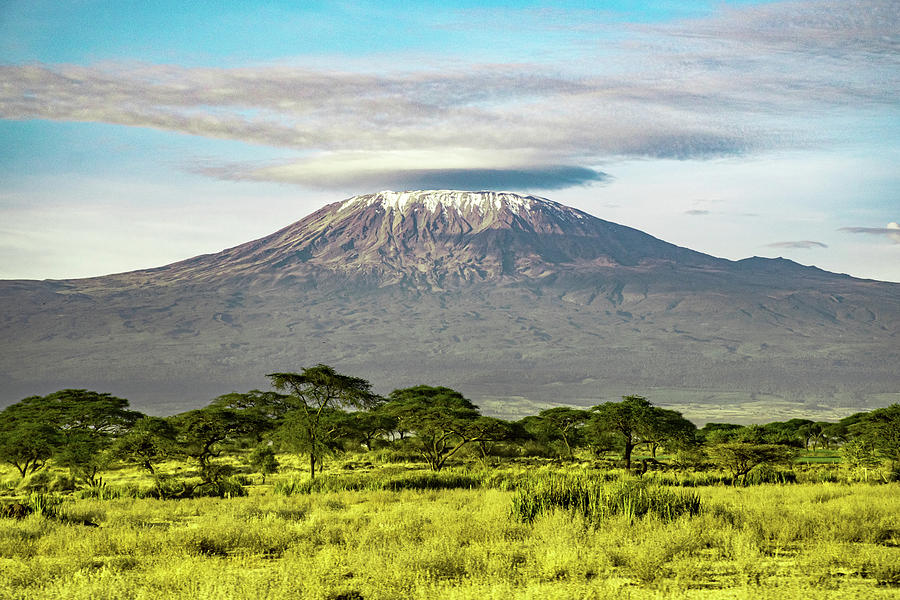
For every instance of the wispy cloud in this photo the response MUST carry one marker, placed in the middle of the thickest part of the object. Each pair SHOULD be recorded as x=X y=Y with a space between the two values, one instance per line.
x=801 y=244
x=835 y=27
x=746 y=80
x=493 y=107
x=891 y=231
x=696 y=212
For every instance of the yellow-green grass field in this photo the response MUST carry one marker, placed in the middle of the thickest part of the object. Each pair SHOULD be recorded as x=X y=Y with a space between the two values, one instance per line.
x=814 y=540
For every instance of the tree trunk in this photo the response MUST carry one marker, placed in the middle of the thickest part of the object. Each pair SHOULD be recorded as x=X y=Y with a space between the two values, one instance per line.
x=312 y=465
x=629 y=446
x=568 y=447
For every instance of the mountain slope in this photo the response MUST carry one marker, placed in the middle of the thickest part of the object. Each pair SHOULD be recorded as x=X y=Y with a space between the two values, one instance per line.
x=515 y=300
x=432 y=237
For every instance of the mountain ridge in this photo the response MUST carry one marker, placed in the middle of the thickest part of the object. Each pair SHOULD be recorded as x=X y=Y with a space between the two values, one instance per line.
x=400 y=237
x=514 y=297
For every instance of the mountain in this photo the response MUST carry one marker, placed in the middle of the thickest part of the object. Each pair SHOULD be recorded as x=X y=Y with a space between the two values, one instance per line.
x=517 y=301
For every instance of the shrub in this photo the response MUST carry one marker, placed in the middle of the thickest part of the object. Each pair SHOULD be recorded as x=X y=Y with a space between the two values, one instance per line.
x=397 y=454
x=769 y=474
x=46 y=505
x=37 y=482
x=375 y=481
x=100 y=491
x=62 y=484
x=597 y=501
x=223 y=488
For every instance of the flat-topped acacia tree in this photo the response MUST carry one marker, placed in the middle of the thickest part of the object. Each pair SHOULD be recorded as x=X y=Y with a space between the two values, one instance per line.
x=627 y=418
x=443 y=421
x=315 y=394
x=73 y=426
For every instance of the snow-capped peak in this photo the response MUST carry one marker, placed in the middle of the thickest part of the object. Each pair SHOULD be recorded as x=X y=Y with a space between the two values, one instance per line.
x=434 y=200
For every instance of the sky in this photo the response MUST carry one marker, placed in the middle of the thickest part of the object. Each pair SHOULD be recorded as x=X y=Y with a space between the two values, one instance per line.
x=135 y=133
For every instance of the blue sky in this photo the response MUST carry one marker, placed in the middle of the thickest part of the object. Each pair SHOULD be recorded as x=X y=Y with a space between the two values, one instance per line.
x=140 y=133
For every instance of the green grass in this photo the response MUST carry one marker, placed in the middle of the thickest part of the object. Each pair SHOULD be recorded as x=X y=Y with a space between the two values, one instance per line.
x=596 y=501
x=401 y=532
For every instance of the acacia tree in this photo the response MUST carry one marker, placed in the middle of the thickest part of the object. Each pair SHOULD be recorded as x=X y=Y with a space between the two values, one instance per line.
x=881 y=430
x=628 y=418
x=370 y=425
x=150 y=441
x=204 y=433
x=332 y=429
x=75 y=426
x=26 y=440
x=266 y=410
x=315 y=393
x=561 y=423
x=833 y=433
x=442 y=420
x=717 y=433
x=739 y=458
x=663 y=426
x=795 y=432
x=809 y=433
x=263 y=461
x=488 y=432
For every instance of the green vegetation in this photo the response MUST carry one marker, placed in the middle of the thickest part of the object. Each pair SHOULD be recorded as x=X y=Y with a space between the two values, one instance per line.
x=596 y=501
x=421 y=496
x=317 y=396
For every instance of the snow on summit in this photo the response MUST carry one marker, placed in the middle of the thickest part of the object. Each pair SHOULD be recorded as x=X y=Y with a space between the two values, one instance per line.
x=431 y=200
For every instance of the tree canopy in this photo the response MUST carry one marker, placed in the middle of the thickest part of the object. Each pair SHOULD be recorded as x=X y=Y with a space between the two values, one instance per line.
x=74 y=426
x=314 y=395
x=442 y=419
x=628 y=418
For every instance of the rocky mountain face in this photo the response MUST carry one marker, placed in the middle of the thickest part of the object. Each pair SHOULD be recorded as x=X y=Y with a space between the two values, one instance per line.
x=433 y=240
x=517 y=301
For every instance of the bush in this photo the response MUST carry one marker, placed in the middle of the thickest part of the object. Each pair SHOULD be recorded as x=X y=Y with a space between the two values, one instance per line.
x=224 y=488
x=689 y=479
x=397 y=454
x=37 y=482
x=597 y=501
x=379 y=481
x=769 y=474
x=46 y=505
x=100 y=491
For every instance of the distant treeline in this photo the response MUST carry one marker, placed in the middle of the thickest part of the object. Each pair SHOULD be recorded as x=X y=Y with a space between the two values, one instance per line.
x=319 y=412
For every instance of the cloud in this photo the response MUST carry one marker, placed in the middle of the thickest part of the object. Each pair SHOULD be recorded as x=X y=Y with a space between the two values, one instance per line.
x=497 y=108
x=453 y=169
x=802 y=244
x=747 y=80
x=833 y=27
x=891 y=231
x=696 y=212
x=551 y=177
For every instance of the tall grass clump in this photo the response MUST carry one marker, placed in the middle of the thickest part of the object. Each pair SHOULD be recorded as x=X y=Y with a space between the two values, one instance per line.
x=393 y=482
x=46 y=505
x=597 y=501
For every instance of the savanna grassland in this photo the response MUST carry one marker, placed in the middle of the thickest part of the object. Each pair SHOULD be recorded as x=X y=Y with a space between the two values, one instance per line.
x=524 y=529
